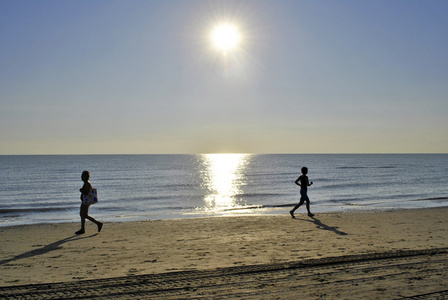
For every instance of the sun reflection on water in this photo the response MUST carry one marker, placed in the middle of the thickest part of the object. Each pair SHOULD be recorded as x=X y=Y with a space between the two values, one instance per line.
x=223 y=178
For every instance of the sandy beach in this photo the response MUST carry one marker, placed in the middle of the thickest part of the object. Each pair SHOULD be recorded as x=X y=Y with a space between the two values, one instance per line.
x=52 y=253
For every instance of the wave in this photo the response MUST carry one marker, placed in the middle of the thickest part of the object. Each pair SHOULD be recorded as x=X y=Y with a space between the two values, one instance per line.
x=344 y=202
x=368 y=167
x=30 y=210
x=261 y=195
x=432 y=199
x=272 y=174
x=259 y=206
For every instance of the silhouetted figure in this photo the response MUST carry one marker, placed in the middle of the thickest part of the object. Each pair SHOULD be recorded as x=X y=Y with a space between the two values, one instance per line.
x=303 y=182
x=84 y=211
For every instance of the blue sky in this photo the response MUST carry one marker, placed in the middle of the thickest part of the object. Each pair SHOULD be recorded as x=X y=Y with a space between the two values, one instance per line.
x=342 y=76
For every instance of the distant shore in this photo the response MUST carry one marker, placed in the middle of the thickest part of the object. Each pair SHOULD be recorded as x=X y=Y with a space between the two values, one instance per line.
x=48 y=253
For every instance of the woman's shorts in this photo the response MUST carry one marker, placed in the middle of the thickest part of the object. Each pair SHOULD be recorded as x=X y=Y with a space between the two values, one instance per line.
x=304 y=196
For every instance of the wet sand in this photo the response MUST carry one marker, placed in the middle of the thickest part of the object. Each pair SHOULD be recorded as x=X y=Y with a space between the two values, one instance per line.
x=51 y=253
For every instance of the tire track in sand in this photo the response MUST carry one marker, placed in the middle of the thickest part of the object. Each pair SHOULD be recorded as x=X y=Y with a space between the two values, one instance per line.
x=403 y=274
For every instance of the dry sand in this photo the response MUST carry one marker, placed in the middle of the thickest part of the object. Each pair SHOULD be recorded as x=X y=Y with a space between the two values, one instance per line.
x=50 y=253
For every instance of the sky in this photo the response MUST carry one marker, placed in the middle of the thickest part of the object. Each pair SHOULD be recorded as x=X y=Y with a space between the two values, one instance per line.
x=143 y=77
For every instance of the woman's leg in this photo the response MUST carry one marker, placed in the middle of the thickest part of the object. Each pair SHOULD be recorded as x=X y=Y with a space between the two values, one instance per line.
x=82 y=214
x=99 y=224
x=302 y=199
x=308 y=206
x=298 y=205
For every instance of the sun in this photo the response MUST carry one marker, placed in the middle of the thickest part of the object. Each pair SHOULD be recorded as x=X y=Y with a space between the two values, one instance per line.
x=226 y=37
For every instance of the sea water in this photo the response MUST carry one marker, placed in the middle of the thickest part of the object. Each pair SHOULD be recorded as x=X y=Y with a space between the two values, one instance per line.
x=45 y=189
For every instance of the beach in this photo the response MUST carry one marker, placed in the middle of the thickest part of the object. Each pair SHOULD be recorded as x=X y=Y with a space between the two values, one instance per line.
x=52 y=253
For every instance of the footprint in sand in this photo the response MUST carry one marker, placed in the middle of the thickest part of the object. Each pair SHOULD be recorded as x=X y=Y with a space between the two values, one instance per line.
x=132 y=271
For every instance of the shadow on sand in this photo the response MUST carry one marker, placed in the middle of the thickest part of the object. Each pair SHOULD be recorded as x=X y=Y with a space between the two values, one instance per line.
x=46 y=249
x=323 y=226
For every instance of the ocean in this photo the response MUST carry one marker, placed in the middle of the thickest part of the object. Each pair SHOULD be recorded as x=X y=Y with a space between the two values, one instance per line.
x=45 y=189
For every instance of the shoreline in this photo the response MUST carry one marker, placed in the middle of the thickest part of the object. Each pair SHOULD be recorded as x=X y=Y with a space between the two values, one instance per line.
x=232 y=212
x=49 y=253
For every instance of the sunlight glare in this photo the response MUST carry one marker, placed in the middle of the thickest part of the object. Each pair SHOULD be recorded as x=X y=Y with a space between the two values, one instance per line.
x=224 y=179
x=226 y=37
